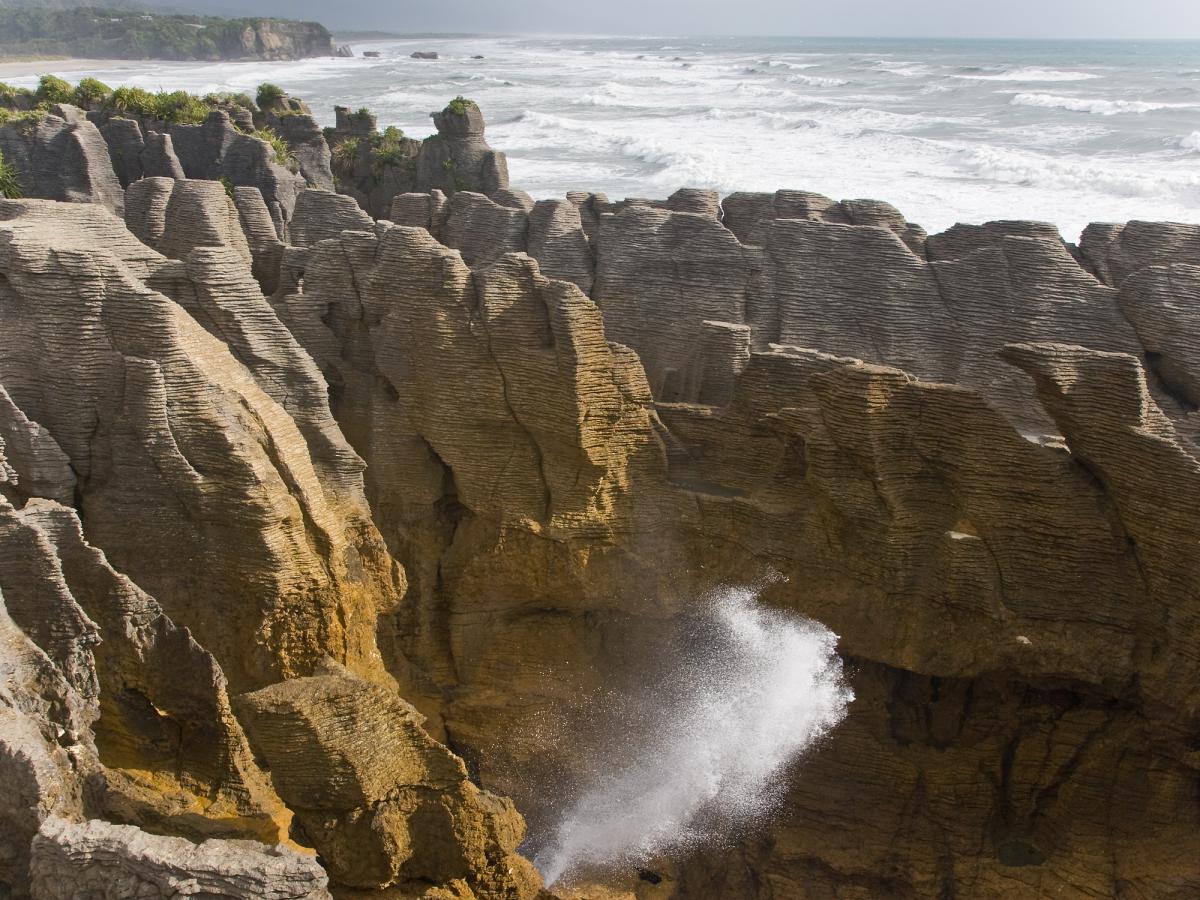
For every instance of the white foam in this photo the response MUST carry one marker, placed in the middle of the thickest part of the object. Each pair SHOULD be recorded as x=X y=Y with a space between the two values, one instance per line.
x=817 y=81
x=787 y=64
x=762 y=687
x=1031 y=74
x=1036 y=170
x=943 y=149
x=1095 y=105
x=905 y=69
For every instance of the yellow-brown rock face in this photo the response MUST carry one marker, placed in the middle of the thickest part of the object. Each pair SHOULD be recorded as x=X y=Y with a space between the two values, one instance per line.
x=1018 y=622
x=239 y=536
x=220 y=542
x=383 y=803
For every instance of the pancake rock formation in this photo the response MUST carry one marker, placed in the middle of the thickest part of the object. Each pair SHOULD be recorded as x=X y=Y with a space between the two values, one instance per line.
x=331 y=523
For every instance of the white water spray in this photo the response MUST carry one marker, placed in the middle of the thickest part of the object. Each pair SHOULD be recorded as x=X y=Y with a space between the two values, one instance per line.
x=759 y=688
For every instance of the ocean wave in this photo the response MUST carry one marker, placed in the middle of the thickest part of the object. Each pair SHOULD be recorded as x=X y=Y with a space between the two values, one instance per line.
x=647 y=94
x=1096 y=106
x=774 y=120
x=1051 y=135
x=903 y=68
x=817 y=81
x=999 y=164
x=598 y=99
x=675 y=164
x=1191 y=141
x=484 y=79
x=864 y=119
x=753 y=89
x=785 y=64
x=1030 y=73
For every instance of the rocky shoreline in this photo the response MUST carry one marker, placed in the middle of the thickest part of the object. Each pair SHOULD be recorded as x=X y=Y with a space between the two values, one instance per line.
x=333 y=468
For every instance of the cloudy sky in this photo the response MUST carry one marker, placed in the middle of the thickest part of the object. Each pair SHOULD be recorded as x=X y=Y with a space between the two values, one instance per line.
x=882 y=18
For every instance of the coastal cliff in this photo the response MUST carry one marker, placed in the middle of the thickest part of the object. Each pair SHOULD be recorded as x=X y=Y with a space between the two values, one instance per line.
x=98 y=32
x=322 y=531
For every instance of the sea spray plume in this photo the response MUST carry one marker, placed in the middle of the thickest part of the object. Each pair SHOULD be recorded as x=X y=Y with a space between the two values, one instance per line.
x=759 y=688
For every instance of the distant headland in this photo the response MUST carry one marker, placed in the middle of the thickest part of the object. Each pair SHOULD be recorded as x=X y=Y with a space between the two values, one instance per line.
x=120 y=32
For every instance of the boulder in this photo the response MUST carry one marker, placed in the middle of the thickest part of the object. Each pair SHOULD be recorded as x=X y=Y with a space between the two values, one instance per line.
x=383 y=803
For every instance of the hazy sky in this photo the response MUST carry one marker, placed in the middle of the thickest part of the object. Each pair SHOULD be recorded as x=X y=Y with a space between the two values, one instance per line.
x=903 y=18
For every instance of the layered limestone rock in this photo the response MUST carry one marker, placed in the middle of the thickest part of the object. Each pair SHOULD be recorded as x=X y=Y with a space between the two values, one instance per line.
x=375 y=168
x=749 y=215
x=321 y=215
x=216 y=150
x=117 y=712
x=44 y=745
x=659 y=276
x=371 y=166
x=175 y=216
x=483 y=229
x=972 y=455
x=1115 y=251
x=867 y=487
x=148 y=681
x=426 y=211
x=193 y=478
x=105 y=862
x=492 y=412
x=62 y=156
x=266 y=249
x=458 y=158
x=137 y=153
x=201 y=214
x=307 y=143
x=383 y=803
x=108 y=709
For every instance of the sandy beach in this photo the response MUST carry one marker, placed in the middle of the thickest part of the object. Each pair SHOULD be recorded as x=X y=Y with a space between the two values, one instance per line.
x=13 y=67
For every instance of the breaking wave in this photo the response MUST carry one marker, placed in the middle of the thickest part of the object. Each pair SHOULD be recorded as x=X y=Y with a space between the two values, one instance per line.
x=1095 y=106
x=817 y=81
x=998 y=164
x=1029 y=73
x=757 y=688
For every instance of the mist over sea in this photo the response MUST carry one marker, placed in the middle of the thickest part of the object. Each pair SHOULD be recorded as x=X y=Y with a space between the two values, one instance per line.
x=948 y=131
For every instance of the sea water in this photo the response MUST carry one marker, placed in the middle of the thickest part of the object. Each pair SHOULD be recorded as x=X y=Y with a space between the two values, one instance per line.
x=948 y=131
x=718 y=732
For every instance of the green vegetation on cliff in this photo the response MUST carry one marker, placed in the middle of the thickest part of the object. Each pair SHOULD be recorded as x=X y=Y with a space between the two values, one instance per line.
x=388 y=150
x=282 y=152
x=9 y=186
x=344 y=155
x=101 y=32
x=27 y=108
x=173 y=107
x=269 y=95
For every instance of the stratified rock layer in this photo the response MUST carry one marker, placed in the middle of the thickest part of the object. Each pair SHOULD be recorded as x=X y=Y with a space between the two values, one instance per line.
x=100 y=861
x=383 y=803
x=968 y=510
x=973 y=455
x=199 y=415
